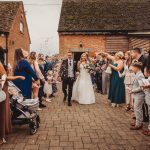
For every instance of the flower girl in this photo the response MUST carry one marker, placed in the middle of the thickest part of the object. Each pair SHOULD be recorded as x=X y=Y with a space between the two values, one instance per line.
x=48 y=85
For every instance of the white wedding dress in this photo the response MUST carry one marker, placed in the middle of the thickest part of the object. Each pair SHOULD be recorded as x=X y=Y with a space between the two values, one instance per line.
x=83 y=91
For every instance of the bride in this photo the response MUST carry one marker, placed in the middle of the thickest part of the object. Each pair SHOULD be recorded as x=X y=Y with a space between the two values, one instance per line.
x=83 y=91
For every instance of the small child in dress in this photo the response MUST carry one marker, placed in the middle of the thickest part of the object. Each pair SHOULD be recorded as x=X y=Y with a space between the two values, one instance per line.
x=48 y=85
x=138 y=95
x=146 y=89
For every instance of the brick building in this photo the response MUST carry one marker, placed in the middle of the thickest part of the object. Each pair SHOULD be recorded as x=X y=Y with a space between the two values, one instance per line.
x=13 y=29
x=104 y=25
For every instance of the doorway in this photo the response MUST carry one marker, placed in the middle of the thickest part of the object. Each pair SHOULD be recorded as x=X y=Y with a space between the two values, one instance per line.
x=77 y=56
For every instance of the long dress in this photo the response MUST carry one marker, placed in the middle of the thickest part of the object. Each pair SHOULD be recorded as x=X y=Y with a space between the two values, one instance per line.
x=23 y=68
x=117 y=88
x=5 y=113
x=83 y=91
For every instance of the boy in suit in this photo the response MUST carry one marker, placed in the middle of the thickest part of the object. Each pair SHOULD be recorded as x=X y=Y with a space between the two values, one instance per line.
x=138 y=96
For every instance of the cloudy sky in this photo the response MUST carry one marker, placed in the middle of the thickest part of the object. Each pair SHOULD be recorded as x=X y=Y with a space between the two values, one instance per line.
x=43 y=18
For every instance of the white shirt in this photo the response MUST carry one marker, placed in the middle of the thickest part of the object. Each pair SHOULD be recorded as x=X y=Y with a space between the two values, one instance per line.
x=70 y=68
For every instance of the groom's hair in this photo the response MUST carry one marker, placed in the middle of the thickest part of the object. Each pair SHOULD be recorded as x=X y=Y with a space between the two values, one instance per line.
x=70 y=52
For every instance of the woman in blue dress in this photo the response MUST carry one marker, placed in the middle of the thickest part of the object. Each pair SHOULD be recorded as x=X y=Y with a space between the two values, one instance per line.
x=23 y=68
x=117 y=87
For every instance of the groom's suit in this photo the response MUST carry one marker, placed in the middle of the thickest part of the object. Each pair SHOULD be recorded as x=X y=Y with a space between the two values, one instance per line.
x=67 y=74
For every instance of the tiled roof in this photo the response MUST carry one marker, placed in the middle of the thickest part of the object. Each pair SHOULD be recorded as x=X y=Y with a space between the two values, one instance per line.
x=8 y=11
x=105 y=15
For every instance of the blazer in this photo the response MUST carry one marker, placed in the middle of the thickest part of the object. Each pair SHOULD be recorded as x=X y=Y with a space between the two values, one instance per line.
x=136 y=90
x=64 y=69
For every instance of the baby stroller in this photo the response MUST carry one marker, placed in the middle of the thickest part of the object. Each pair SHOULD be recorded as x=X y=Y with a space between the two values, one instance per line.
x=23 y=110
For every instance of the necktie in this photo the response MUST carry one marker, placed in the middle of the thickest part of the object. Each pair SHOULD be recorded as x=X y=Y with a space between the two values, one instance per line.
x=70 y=63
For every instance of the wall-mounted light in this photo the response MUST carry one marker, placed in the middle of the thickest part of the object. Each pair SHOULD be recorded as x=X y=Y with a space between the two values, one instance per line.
x=81 y=44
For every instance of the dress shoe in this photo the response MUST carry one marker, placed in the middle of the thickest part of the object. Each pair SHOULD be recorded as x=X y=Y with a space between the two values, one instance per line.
x=136 y=127
x=51 y=96
x=69 y=104
x=132 y=124
x=146 y=132
x=42 y=106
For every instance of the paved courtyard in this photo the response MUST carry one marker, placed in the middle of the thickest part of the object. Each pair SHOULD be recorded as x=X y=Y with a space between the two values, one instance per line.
x=91 y=127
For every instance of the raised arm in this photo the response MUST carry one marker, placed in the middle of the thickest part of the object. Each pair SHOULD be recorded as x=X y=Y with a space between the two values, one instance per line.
x=38 y=71
x=119 y=67
x=108 y=56
x=29 y=69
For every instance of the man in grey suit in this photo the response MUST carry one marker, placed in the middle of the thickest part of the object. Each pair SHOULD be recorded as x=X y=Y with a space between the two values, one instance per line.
x=138 y=96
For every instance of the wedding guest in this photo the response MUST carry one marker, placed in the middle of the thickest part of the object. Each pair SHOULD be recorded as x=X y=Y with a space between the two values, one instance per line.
x=92 y=71
x=35 y=66
x=138 y=96
x=48 y=85
x=129 y=78
x=136 y=54
x=105 y=78
x=5 y=112
x=146 y=89
x=147 y=93
x=98 y=65
x=41 y=63
x=117 y=88
x=23 y=68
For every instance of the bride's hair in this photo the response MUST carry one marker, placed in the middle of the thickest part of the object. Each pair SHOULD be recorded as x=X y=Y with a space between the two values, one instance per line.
x=81 y=59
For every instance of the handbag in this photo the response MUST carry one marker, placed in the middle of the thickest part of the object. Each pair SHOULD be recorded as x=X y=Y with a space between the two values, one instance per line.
x=108 y=70
x=2 y=96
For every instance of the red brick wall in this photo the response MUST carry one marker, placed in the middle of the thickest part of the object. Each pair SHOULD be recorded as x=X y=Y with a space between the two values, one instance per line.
x=94 y=42
x=2 y=41
x=17 y=39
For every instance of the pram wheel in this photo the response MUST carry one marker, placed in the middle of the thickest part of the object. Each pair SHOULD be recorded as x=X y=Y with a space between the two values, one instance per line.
x=33 y=128
x=38 y=121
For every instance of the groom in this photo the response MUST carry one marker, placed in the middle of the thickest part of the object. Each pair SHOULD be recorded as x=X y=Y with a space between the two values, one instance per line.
x=67 y=74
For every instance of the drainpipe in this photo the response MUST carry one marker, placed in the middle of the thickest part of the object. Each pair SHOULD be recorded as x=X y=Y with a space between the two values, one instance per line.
x=6 y=35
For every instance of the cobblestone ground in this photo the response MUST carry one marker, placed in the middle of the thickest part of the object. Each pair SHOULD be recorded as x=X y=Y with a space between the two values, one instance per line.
x=87 y=127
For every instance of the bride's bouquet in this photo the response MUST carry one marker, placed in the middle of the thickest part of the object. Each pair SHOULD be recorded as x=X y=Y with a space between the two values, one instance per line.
x=89 y=67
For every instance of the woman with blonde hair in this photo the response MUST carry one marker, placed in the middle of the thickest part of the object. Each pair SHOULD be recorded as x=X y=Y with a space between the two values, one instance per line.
x=117 y=88
x=83 y=91
x=32 y=58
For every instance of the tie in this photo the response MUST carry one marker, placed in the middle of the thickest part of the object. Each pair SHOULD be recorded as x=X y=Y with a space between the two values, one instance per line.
x=70 y=63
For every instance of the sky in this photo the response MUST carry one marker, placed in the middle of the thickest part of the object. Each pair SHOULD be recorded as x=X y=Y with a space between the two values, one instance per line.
x=43 y=19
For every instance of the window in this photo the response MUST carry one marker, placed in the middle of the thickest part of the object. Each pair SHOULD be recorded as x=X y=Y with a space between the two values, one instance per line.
x=21 y=27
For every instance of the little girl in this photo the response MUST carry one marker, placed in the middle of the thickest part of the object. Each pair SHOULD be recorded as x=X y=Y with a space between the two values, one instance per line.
x=48 y=85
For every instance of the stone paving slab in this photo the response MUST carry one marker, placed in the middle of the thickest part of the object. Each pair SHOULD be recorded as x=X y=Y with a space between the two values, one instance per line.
x=80 y=127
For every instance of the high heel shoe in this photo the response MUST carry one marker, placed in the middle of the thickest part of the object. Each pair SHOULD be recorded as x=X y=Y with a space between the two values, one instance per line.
x=2 y=141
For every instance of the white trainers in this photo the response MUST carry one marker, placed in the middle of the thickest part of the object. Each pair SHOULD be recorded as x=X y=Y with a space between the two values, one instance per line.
x=48 y=100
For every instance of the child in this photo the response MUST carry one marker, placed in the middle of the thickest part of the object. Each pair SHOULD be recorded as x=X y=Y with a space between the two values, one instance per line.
x=146 y=89
x=48 y=85
x=138 y=95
